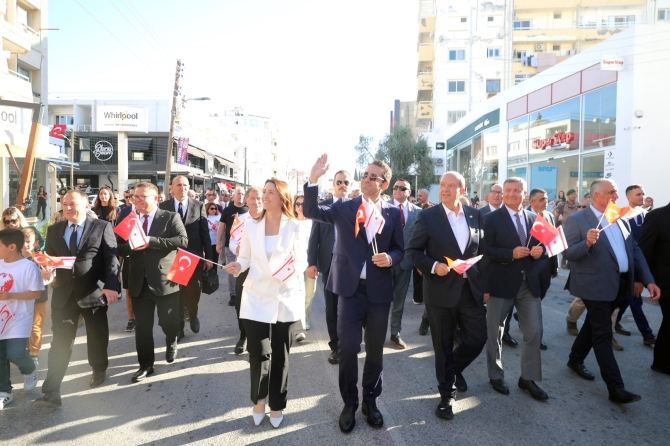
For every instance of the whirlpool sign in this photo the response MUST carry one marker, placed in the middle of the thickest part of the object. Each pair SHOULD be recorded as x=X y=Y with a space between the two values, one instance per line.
x=121 y=118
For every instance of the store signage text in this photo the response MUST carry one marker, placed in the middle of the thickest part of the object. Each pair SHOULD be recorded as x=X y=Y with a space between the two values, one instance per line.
x=558 y=139
x=121 y=118
x=612 y=63
x=482 y=124
x=11 y=118
x=103 y=150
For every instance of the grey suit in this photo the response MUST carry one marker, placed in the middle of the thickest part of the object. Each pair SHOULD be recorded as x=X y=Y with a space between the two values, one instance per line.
x=403 y=271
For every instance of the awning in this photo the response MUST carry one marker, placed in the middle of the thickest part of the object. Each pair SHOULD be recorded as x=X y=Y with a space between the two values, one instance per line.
x=196 y=152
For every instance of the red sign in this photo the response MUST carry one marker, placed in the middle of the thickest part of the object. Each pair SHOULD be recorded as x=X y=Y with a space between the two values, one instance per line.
x=557 y=139
x=57 y=131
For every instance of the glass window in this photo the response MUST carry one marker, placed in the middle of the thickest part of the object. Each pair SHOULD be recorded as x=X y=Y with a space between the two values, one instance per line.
x=517 y=147
x=451 y=160
x=464 y=157
x=664 y=14
x=599 y=118
x=493 y=85
x=84 y=156
x=522 y=24
x=23 y=15
x=593 y=167
x=488 y=175
x=456 y=55
x=453 y=116
x=140 y=149
x=555 y=175
x=554 y=130
x=456 y=86
x=493 y=52
x=520 y=172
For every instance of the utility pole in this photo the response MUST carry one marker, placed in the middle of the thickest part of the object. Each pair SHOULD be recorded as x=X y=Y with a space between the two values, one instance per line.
x=168 y=158
x=245 y=167
x=72 y=143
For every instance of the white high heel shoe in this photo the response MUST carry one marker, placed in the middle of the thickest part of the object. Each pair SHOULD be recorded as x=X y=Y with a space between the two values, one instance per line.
x=275 y=422
x=258 y=417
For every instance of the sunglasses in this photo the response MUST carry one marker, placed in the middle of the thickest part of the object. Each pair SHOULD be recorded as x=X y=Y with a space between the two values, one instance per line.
x=581 y=207
x=339 y=182
x=372 y=177
x=298 y=205
x=402 y=188
x=13 y=221
x=213 y=209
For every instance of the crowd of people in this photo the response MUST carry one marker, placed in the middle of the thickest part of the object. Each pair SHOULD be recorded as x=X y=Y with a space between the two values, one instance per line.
x=274 y=246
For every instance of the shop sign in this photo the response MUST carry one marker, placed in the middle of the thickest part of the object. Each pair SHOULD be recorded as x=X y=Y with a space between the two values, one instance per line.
x=121 y=118
x=103 y=150
x=182 y=150
x=560 y=140
x=612 y=63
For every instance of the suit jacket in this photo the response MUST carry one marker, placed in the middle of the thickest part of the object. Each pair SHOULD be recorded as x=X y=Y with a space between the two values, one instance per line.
x=166 y=234
x=655 y=245
x=594 y=272
x=262 y=293
x=351 y=252
x=487 y=209
x=635 y=229
x=321 y=244
x=412 y=212
x=195 y=223
x=505 y=273
x=432 y=240
x=96 y=262
x=547 y=267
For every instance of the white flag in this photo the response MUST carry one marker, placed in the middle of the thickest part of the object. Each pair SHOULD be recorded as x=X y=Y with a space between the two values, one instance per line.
x=137 y=236
x=374 y=224
x=558 y=244
x=634 y=212
x=286 y=270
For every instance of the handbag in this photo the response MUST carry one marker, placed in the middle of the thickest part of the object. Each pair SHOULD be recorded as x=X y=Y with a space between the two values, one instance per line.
x=210 y=281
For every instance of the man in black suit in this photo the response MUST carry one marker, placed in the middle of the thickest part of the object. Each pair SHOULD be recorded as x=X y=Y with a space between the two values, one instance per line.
x=456 y=231
x=495 y=200
x=148 y=284
x=513 y=281
x=194 y=218
x=319 y=256
x=77 y=291
x=655 y=244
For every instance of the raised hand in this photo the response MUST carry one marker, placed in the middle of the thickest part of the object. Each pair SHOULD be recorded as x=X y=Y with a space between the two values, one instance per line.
x=319 y=168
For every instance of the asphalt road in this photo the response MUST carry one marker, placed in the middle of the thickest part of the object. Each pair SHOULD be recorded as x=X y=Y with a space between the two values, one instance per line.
x=203 y=397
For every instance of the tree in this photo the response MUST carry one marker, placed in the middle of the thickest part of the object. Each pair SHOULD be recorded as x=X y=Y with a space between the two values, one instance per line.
x=409 y=157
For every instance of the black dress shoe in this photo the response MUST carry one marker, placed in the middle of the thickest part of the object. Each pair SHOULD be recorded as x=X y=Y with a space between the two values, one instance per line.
x=239 y=347
x=423 y=328
x=620 y=330
x=399 y=344
x=509 y=340
x=661 y=369
x=444 y=409
x=623 y=396
x=170 y=353
x=334 y=358
x=516 y=316
x=580 y=370
x=142 y=373
x=461 y=385
x=348 y=418
x=232 y=300
x=499 y=386
x=50 y=400
x=533 y=389
x=195 y=324
x=97 y=378
x=373 y=415
x=543 y=346
x=180 y=335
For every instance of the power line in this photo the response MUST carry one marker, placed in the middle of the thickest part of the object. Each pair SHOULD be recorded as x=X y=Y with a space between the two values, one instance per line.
x=147 y=27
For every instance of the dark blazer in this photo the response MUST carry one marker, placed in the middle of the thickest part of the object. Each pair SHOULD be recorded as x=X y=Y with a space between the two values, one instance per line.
x=412 y=212
x=96 y=262
x=352 y=252
x=487 y=209
x=432 y=240
x=655 y=244
x=635 y=229
x=195 y=223
x=505 y=273
x=547 y=267
x=321 y=243
x=166 y=234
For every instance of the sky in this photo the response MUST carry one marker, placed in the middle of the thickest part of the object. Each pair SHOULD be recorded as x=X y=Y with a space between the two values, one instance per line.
x=326 y=72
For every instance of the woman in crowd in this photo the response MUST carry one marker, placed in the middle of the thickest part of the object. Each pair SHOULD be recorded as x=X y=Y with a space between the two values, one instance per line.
x=272 y=299
x=13 y=218
x=308 y=283
x=106 y=207
x=41 y=203
x=648 y=204
x=561 y=196
x=213 y=218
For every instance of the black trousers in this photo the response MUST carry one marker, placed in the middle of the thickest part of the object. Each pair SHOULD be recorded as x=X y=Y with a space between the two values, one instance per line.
x=239 y=282
x=417 y=280
x=269 y=346
x=662 y=347
x=471 y=318
x=41 y=205
x=331 y=313
x=144 y=307
x=189 y=296
x=596 y=333
x=64 y=326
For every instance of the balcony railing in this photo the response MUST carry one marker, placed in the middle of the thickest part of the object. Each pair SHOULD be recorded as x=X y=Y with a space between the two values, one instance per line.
x=19 y=75
x=425 y=110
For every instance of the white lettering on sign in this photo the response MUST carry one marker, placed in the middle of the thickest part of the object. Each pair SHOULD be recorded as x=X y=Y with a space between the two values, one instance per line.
x=482 y=124
x=103 y=150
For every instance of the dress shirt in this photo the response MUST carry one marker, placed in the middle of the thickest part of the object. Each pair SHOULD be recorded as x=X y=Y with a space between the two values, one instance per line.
x=334 y=229
x=184 y=204
x=378 y=205
x=615 y=237
x=68 y=231
x=522 y=217
x=404 y=209
x=460 y=228
x=151 y=216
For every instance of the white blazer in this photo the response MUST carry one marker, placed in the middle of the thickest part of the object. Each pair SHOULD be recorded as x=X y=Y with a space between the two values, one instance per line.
x=264 y=298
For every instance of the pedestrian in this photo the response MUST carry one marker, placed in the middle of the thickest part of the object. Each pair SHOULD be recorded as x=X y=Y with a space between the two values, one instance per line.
x=33 y=244
x=212 y=197
x=271 y=305
x=494 y=199
x=648 y=204
x=77 y=291
x=308 y=283
x=562 y=211
x=21 y=286
x=105 y=206
x=42 y=197
x=213 y=218
x=13 y=218
x=235 y=207
x=561 y=197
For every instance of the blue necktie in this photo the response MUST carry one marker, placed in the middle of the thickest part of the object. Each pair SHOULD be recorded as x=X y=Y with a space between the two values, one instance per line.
x=520 y=231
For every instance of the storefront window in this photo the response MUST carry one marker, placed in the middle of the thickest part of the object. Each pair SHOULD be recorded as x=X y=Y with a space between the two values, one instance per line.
x=555 y=175
x=451 y=160
x=520 y=172
x=464 y=158
x=517 y=147
x=487 y=164
x=599 y=118
x=593 y=167
x=554 y=130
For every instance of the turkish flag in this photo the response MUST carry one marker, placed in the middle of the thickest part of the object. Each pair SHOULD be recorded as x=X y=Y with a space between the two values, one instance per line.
x=57 y=131
x=361 y=215
x=614 y=212
x=183 y=267
x=53 y=262
x=125 y=228
x=286 y=270
x=543 y=231
x=461 y=266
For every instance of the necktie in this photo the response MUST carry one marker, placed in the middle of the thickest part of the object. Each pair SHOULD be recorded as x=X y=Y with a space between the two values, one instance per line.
x=520 y=231
x=402 y=216
x=145 y=224
x=640 y=220
x=73 y=240
x=180 y=209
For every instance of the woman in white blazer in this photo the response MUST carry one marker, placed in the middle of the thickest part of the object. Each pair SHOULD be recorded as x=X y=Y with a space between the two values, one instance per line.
x=268 y=302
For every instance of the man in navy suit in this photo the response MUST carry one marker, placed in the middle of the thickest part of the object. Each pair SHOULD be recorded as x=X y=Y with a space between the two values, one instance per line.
x=354 y=267
x=635 y=196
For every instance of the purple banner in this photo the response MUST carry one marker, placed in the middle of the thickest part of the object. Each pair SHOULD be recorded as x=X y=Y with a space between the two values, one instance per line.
x=182 y=150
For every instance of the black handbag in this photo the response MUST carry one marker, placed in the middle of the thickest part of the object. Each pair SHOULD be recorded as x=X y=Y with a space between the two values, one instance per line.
x=210 y=280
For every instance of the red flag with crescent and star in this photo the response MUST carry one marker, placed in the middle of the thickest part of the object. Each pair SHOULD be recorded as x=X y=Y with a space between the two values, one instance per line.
x=543 y=231
x=183 y=267
x=361 y=216
x=48 y=261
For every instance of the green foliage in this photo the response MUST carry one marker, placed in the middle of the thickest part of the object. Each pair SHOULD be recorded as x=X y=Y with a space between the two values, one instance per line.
x=44 y=228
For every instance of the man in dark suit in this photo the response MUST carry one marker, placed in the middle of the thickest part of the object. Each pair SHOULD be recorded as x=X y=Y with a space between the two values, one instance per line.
x=319 y=256
x=655 y=244
x=148 y=284
x=635 y=196
x=362 y=281
x=604 y=264
x=495 y=200
x=513 y=281
x=77 y=291
x=194 y=218
x=456 y=231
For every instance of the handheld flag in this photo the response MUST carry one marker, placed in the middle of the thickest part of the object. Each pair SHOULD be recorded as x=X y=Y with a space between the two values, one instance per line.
x=374 y=224
x=48 y=261
x=125 y=227
x=237 y=228
x=461 y=266
x=286 y=270
x=543 y=231
x=183 y=267
x=614 y=212
x=361 y=216
x=137 y=236
x=558 y=245
x=634 y=212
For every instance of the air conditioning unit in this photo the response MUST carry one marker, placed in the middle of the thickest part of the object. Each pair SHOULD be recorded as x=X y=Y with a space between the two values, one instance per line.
x=539 y=47
x=439 y=162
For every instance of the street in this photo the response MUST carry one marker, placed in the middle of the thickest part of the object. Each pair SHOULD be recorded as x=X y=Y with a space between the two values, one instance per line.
x=203 y=397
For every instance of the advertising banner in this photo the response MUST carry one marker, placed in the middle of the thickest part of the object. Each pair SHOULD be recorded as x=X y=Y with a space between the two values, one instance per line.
x=121 y=118
x=182 y=150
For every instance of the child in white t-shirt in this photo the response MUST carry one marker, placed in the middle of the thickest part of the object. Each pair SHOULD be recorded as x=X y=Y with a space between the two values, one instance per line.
x=20 y=284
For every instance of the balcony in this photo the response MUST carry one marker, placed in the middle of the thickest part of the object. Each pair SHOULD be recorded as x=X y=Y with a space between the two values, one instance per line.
x=573 y=4
x=585 y=32
x=426 y=52
x=425 y=81
x=14 y=39
x=426 y=16
x=16 y=87
x=425 y=110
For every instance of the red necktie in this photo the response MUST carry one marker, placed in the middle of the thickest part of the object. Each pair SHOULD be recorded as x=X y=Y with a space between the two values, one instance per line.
x=402 y=216
x=145 y=225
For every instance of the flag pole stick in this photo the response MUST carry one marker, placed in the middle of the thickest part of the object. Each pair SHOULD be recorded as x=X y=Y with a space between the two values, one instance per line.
x=601 y=218
x=202 y=258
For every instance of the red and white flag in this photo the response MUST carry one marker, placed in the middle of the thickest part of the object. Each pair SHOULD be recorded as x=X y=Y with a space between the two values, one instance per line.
x=125 y=226
x=461 y=266
x=634 y=212
x=183 y=267
x=137 y=236
x=48 y=261
x=614 y=212
x=286 y=270
x=374 y=224
x=558 y=245
x=361 y=216
x=543 y=231
x=237 y=229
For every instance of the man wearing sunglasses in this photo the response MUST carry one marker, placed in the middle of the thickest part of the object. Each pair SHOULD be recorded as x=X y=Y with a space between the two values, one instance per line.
x=212 y=197
x=403 y=270
x=362 y=278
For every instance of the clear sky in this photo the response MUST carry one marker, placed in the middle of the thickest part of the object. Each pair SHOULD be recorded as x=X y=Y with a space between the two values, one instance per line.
x=324 y=71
